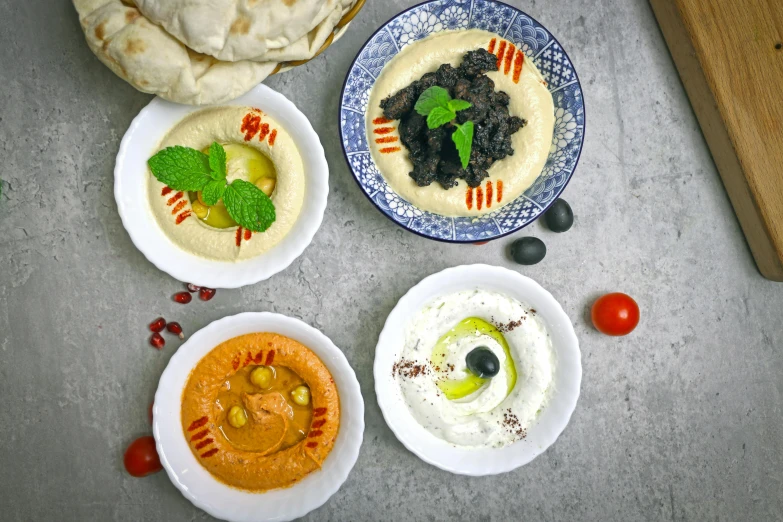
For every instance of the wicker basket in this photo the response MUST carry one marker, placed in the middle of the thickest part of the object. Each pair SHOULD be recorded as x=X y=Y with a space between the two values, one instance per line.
x=339 y=30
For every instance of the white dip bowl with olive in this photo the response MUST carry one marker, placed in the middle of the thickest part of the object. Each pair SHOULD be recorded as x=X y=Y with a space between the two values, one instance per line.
x=477 y=370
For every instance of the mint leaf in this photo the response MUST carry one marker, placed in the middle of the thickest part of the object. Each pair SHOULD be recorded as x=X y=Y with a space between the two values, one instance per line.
x=213 y=191
x=459 y=105
x=439 y=116
x=432 y=98
x=463 y=139
x=217 y=161
x=181 y=168
x=249 y=206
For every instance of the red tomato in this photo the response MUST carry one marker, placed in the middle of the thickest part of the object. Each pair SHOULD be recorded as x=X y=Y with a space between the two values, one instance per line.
x=141 y=457
x=615 y=314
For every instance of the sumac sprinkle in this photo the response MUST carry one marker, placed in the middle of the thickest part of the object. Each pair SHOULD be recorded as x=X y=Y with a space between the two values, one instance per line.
x=409 y=369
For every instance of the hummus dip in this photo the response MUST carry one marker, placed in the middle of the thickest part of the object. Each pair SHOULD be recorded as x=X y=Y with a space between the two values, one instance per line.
x=492 y=412
x=530 y=100
x=237 y=129
x=281 y=441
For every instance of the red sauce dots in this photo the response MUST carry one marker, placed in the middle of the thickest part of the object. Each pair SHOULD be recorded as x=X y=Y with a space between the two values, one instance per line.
x=183 y=297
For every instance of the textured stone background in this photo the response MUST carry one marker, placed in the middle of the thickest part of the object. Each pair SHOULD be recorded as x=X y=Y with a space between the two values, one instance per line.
x=679 y=421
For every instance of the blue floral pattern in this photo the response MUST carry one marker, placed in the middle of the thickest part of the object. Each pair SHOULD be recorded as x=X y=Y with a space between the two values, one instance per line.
x=529 y=36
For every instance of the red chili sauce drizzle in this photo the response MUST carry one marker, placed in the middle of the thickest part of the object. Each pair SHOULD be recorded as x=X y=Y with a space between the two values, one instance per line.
x=489 y=194
x=250 y=125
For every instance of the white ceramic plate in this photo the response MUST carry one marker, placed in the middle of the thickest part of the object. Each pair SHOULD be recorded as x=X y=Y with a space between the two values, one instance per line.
x=552 y=420
x=218 y=499
x=130 y=190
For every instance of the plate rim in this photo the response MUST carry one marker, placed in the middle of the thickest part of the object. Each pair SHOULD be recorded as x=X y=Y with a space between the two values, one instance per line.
x=351 y=429
x=228 y=274
x=422 y=234
x=399 y=427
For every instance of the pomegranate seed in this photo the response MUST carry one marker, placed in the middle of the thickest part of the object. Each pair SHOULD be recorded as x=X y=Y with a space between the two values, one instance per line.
x=193 y=288
x=183 y=297
x=206 y=293
x=158 y=325
x=150 y=412
x=176 y=329
x=157 y=341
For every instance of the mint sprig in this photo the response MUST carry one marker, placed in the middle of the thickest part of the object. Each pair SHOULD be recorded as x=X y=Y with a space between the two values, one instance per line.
x=217 y=161
x=438 y=106
x=181 y=168
x=213 y=191
x=463 y=140
x=185 y=169
x=249 y=206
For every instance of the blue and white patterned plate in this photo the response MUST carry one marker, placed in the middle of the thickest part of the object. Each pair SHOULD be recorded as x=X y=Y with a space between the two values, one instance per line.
x=529 y=36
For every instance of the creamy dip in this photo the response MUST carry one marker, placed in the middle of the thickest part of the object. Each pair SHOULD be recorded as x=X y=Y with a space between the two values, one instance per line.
x=530 y=100
x=505 y=406
x=249 y=127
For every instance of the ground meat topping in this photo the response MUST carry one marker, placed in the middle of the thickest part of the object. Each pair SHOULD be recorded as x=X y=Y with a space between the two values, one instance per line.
x=432 y=151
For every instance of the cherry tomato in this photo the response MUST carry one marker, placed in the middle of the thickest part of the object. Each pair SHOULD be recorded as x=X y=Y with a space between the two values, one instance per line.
x=615 y=314
x=141 y=457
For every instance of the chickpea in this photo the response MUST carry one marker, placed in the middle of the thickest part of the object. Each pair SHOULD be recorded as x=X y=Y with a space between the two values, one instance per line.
x=200 y=209
x=267 y=185
x=262 y=376
x=237 y=416
x=301 y=395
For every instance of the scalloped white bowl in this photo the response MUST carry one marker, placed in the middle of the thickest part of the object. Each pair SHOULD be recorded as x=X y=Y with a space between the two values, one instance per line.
x=225 y=502
x=552 y=420
x=130 y=191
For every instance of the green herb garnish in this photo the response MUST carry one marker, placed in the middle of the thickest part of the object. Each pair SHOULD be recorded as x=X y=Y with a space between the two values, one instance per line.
x=186 y=169
x=463 y=139
x=438 y=106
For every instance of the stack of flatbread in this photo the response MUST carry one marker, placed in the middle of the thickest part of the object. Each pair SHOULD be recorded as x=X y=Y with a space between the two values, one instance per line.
x=205 y=51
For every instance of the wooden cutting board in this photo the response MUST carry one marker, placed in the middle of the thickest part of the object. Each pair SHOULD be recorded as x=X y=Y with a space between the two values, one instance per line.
x=729 y=54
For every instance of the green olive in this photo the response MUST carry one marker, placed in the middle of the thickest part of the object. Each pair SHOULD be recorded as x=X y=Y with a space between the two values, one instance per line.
x=301 y=395
x=262 y=376
x=237 y=416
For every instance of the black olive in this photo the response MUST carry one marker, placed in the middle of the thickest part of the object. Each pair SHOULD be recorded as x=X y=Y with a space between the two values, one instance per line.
x=559 y=217
x=528 y=250
x=482 y=362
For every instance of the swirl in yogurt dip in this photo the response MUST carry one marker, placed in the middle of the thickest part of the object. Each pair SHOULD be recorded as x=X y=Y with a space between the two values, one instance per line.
x=455 y=404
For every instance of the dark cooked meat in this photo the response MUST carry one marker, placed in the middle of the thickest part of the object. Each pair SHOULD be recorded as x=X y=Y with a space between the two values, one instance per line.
x=478 y=62
x=398 y=105
x=432 y=151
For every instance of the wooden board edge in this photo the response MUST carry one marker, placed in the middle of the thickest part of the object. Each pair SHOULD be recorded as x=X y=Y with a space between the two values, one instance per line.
x=722 y=149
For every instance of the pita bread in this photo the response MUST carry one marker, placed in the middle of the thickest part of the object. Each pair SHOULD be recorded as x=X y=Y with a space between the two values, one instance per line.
x=153 y=61
x=258 y=30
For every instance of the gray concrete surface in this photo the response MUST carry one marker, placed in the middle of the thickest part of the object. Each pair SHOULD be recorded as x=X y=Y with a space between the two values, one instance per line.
x=679 y=421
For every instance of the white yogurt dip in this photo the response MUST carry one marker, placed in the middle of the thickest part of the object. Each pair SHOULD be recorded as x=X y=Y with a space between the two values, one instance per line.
x=506 y=405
